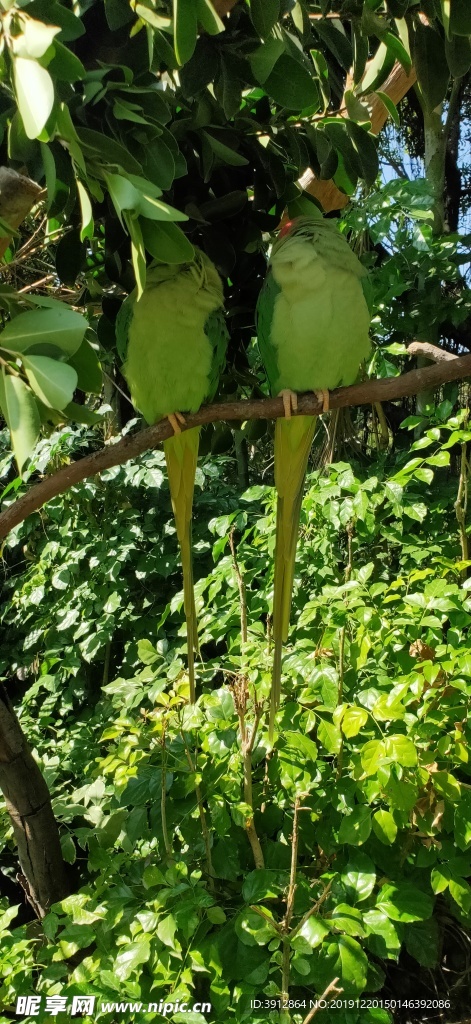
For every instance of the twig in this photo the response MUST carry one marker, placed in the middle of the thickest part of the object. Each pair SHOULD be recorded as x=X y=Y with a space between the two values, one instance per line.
x=247 y=740
x=242 y=590
x=348 y=573
x=461 y=504
x=129 y=447
x=163 y=798
x=331 y=989
x=203 y=822
x=312 y=910
x=433 y=352
x=286 y=923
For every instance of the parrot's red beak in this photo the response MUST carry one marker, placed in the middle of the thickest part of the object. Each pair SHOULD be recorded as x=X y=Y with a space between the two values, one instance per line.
x=285 y=229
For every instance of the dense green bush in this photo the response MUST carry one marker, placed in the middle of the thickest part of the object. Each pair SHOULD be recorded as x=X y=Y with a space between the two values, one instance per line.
x=373 y=741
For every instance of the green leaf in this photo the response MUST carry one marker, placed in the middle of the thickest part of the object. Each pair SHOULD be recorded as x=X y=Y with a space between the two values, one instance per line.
x=384 y=827
x=225 y=153
x=404 y=902
x=366 y=151
x=19 y=408
x=428 y=51
x=166 y=242
x=87 y=212
x=460 y=18
x=65 y=66
x=264 y=15
x=347 y=919
x=35 y=94
x=463 y=821
x=401 y=749
x=359 y=875
x=130 y=956
x=390 y=106
x=86 y=364
x=209 y=18
x=110 y=152
x=35 y=38
x=422 y=942
x=353 y=720
x=69 y=852
x=345 y=960
x=254 y=930
x=291 y=85
x=260 y=885
x=314 y=931
x=263 y=60
x=53 y=382
x=382 y=937
x=378 y=69
x=458 y=55
x=70 y=257
x=329 y=735
x=185 y=29
x=138 y=253
x=356 y=827
x=58 y=326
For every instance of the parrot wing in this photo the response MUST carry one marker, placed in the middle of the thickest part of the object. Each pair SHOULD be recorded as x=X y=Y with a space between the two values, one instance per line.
x=218 y=335
x=264 y=319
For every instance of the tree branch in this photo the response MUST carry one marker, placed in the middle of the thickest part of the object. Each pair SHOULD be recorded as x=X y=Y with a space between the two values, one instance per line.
x=386 y=389
x=425 y=348
x=17 y=196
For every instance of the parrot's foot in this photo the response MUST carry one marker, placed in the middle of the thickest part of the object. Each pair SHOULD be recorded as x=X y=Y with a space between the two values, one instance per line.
x=323 y=396
x=290 y=401
x=175 y=419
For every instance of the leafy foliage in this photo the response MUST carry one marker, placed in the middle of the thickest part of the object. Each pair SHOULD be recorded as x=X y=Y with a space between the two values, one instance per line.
x=373 y=737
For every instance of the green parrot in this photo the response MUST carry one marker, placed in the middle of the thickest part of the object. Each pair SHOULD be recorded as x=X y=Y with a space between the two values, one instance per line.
x=174 y=339
x=312 y=326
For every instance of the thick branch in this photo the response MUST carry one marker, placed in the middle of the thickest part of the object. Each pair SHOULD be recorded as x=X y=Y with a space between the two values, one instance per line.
x=396 y=86
x=425 y=348
x=387 y=389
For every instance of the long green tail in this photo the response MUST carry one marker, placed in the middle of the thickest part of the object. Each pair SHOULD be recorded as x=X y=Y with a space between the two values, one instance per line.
x=293 y=440
x=181 y=454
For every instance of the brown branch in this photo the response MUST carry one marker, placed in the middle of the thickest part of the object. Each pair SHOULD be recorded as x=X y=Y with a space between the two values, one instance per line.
x=396 y=86
x=387 y=389
x=331 y=989
x=433 y=352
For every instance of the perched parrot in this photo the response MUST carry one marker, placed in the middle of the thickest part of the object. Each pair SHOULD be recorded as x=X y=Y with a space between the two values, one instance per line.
x=174 y=339
x=312 y=325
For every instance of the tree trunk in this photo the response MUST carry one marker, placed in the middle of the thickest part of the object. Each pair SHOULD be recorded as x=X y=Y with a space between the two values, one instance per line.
x=28 y=803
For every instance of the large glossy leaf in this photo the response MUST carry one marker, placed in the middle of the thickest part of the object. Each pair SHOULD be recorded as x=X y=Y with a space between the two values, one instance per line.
x=291 y=85
x=428 y=50
x=21 y=414
x=264 y=15
x=356 y=827
x=53 y=382
x=58 y=326
x=404 y=902
x=35 y=94
x=166 y=242
x=86 y=364
x=185 y=28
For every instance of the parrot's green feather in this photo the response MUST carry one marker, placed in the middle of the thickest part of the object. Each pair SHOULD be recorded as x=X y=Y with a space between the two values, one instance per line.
x=181 y=455
x=265 y=307
x=174 y=339
x=313 y=324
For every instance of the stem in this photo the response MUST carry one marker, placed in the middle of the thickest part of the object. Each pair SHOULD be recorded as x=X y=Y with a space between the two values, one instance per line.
x=242 y=591
x=348 y=573
x=331 y=989
x=461 y=504
x=163 y=808
x=286 y=923
x=247 y=741
x=203 y=822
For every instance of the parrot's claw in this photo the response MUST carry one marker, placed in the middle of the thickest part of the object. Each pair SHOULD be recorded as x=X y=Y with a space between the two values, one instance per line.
x=175 y=419
x=290 y=401
x=323 y=396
